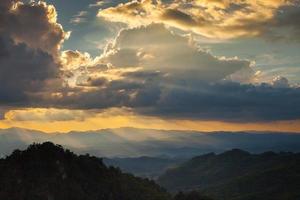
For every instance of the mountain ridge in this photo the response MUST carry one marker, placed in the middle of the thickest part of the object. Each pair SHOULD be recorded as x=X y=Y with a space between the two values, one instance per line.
x=238 y=175
x=48 y=171
x=149 y=129
x=131 y=142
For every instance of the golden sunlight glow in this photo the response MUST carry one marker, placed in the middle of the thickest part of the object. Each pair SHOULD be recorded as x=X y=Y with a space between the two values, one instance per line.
x=62 y=120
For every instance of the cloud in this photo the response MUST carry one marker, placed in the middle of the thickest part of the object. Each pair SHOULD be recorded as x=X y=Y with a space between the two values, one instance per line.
x=227 y=102
x=174 y=79
x=75 y=59
x=2 y=113
x=214 y=19
x=280 y=82
x=148 y=70
x=30 y=41
x=151 y=94
x=40 y=22
x=154 y=47
x=23 y=71
x=79 y=18
x=286 y=23
x=98 y=3
x=46 y=115
x=6 y=5
x=154 y=72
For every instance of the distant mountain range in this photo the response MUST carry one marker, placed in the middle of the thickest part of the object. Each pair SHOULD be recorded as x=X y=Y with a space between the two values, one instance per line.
x=131 y=142
x=238 y=175
x=147 y=167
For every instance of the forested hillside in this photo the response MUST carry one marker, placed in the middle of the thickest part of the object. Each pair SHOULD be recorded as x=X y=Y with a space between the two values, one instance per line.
x=47 y=171
x=239 y=175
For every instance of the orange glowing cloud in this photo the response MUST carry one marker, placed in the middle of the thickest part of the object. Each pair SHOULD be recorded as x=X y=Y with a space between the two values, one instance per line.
x=218 y=18
x=62 y=120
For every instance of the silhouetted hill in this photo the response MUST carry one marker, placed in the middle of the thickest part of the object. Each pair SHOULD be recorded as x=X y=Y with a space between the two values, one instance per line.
x=49 y=172
x=238 y=175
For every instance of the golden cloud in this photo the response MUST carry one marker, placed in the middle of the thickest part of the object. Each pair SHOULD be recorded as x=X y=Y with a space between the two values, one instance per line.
x=214 y=19
x=40 y=21
x=74 y=59
x=46 y=115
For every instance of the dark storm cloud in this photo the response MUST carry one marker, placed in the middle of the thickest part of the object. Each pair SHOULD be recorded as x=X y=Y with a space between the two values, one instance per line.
x=94 y=82
x=228 y=102
x=154 y=94
x=5 y=5
x=135 y=89
x=225 y=101
x=178 y=16
x=30 y=40
x=144 y=75
x=23 y=71
x=287 y=18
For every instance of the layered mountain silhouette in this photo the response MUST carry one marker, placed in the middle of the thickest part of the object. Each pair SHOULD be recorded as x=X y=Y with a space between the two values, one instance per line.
x=238 y=175
x=148 y=167
x=132 y=142
x=49 y=172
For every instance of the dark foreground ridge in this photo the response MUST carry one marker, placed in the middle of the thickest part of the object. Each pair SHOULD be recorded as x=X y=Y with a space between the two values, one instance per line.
x=238 y=175
x=49 y=172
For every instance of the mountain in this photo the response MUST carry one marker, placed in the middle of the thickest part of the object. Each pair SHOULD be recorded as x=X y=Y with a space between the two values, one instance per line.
x=148 y=167
x=47 y=171
x=238 y=175
x=131 y=142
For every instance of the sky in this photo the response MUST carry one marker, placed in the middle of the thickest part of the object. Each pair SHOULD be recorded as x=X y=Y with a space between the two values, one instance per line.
x=221 y=65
